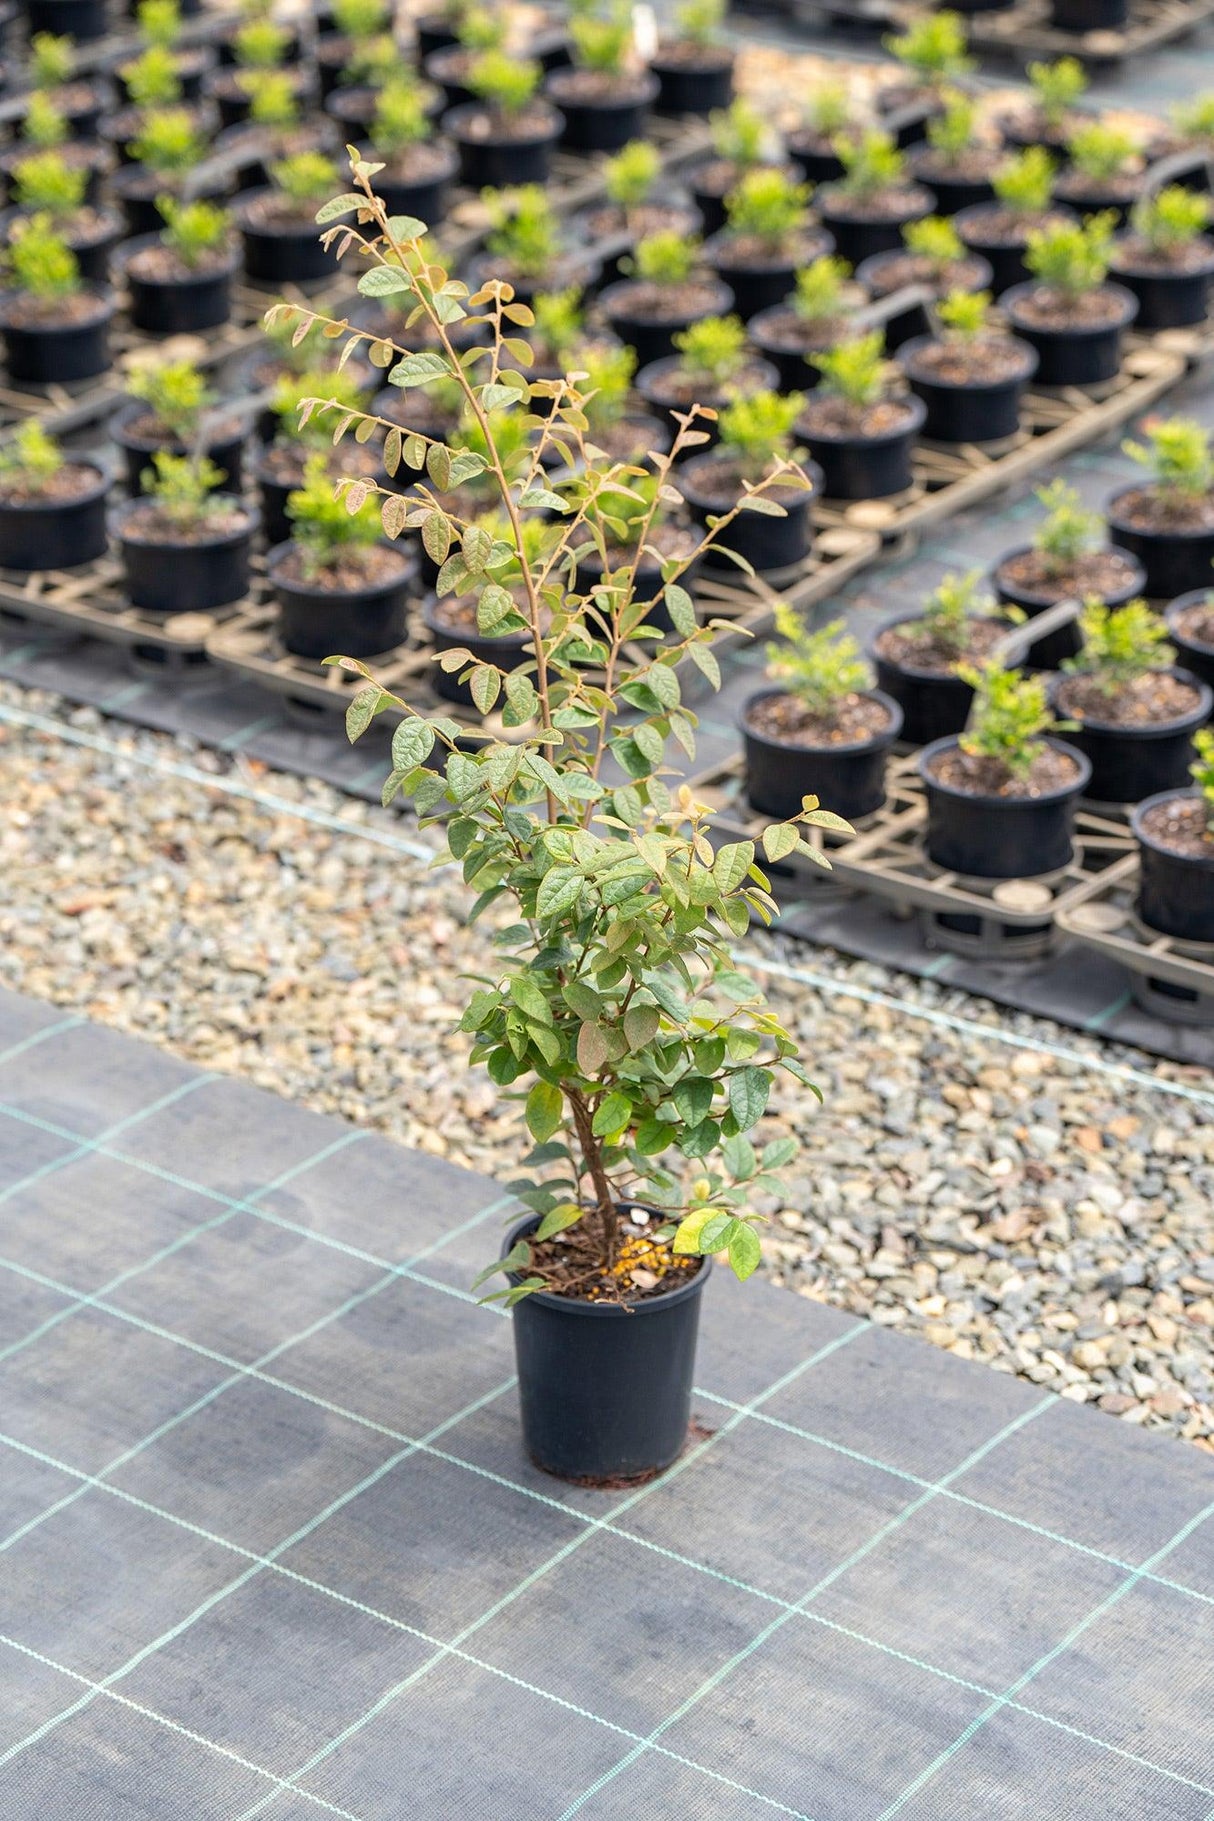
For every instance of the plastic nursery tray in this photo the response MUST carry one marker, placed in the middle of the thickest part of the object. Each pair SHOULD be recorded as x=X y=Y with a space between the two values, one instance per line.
x=1024 y=31
x=1172 y=979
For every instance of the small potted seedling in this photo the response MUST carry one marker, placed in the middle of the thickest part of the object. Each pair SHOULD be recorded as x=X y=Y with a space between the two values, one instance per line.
x=815 y=316
x=1068 y=559
x=363 y=30
x=999 y=230
x=874 y=200
x=141 y=79
x=164 y=155
x=811 y=145
x=614 y=423
x=180 y=281
x=755 y=443
x=1175 y=836
x=55 y=327
x=606 y=95
x=932 y=55
x=281 y=465
x=506 y=133
x=636 y=545
x=46 y=183
x=278 y=225
x=1051 y=116
x=275 y=132
x=1166 y=258
x=353 y=105
x=971 y=376
x=820 y=729
x=172 y=408
x=1191 y=129
x=918 y=657
x=467 y=656
x=768 y=237
x=419 y=168
x=956 y=163
x=668 y=291
x=45 y=129
x=741 y=140
x=858 y=430
x=933 y=255
x=640 y=200
x=335 y=580
x=1001 y=796
x=713 y=364
x=184 y=543
x=261 y=45
x=694 y=68
x=52 y=506
x=526 y=245
x=1168 y=522
x=1105 y=171
x=81 y=100
x=438 y=28
x=481 y=33
x=1133 y=714
x=1068 y=311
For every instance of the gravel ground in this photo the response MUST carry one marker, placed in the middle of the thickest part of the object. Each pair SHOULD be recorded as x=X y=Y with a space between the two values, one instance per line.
x=1041 y=1212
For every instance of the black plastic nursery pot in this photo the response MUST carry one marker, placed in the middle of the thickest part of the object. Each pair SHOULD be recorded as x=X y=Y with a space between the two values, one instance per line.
x=762 y=281
x=658 y=384
x=985 y=836
x=507 y=653
x=934 y=703
x=1083 y=355
x=1089 y=15
x=879 y=277
x=187 y=575
x=1130 y=763
x=974 y=411
x=857 y=467
x=859 y=235
x=226 y=451
x=494 y=158
x=317 y=622
x=186 y=304
x=1167 y=299
x=1004 y=255
x=601 y=123
x=779 y=338
x=83 y=20
x=1050 y=652
x=952 y=193
x=424 y=198
x=768 y=544
x=50 y=354
x=135 y=190
x=281 y=253
x=1175 y=890
x=56 y=533
x=691 y=80
x=848 y=779
x=435 y=32
x=1197 y=654
x=652 y=334
x=605 y=1389
x=815 y=157
x=1174 y=562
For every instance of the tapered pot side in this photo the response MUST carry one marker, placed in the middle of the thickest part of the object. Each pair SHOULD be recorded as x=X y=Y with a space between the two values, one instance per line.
x=847 y=778
x=1175 y=890
x=982 y=835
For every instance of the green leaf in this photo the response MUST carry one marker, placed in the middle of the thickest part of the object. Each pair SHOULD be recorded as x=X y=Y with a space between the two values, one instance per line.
x=652 y=1136
x=779 y=1152
x=705 y=661
x=700 y=1139
x=739 y=1155
x=693 y=1098
x=436 y=536
x=338 y=206
x=412 y=742
x=745 y=1251
x=362 y=711
x=405 y=227
x=716 y=1232
x=518 y=1258
x=641 y=1025
x=592 y=1051
x=612 y=1115
x=560 y=889
x=530 y=998
x=681 y=609
x=543 y=1111
x=521 y=695
x=687 y=1235
x=557 y=1219
x=748 y=1091
x=485 y=684
x=384 y=281
x=779 y=839
x=418 y=369
x=494 y=605
x=731 y=865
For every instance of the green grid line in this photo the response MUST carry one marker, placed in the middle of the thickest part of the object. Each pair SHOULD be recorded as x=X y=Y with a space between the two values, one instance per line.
x=36 y=1037
x=798 y=1607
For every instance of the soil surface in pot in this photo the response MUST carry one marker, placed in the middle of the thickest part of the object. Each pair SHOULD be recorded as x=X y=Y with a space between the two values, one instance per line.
x=284 y=462
x=76 y=312
x=458 y=616
x=670 y=541
x=826 y=415
x=1150 y=700
x=1115 y=191
x=1197 y=622
x=974 y=165
x=1003 y=227
x=86 y=227
x=631 y=438
x=277 y=214
x=893 y=204
x=678 y=387
x=1100 y=572
x=145 y=523
x=1133 y=254
x=571 y=1264
x=988 y=360
x=486 y=124
x=681 y=53
x=720 y=483
x=978 y=776
x=1044 y=308
x=417 y=163
x=348 y=573
x=1030 y=124
x=146 y=427
x=74 y=481
x=603 y=88
x=910 y=646
x=1181 y=827
x=784 y=329
x=737 y=252
x=1150 y=509
x=612 y=220
x=890 y=271
x=163 y=266
x=785 y=720
x=645 y=302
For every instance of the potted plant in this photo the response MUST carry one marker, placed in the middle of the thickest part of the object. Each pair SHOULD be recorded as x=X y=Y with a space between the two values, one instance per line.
x=55 y=328
x=173 y=409
x=46 y=183
x=1000 y=230
x=336 y=580
x=274 y=132
x=755 y=449
x=713 y=364
x=815 y=316
x=971 y=376
x=52 y=507
x=278 y=225
x=480 y=33
x=184 y=544
x=1131 y=714
x=79 y=99
x=164 y=155
x=282 y=464
x=624 y=1094
x=439 y=27
x=694 y=68
x=919 y=657
x=506 y=133
x=45 y=129
x=932 y=54
x=741 y=140
x=870 y=205
x=1001 y=796
x=669 y=290
x=1069 y=312
x=605 y=96
x=1067 y=560
x=768 y=236
x=858 y=430
x=152 y=83
x=1190 y=623
x=1168 y=523
x=464 y=652
x=811 y=145
x=614 y=422
x=640 y=201
x=526 y=245
x=160 y=32
x=933 y=255
x=1051 y=116
x=956 y=164
x=1175 y=836
x=821 y=730
x=1166 y=259
x=261 y=45
x=419 y=169
x=1105 y=171
x=362 y=37
x=179 y=283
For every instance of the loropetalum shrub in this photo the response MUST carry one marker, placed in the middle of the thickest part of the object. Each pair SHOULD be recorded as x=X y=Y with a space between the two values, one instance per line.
x=31 y=460
x=855 y=370
x=948 y=611
x=713 y=351
x=819 y=293
x=1119 y=644
x=1069 y=530
x=183 y=487
x=1024 y=182
x=524 y=229
x=1170 y=218
x=1177 y=457
x=176 y=393
x=46 y=181
x=1056 y=88
x=933 y=48
x=767 y=206
x=871 y=163
x=819 y=669
x=1009 y=719
x=1072 y=258
x=615 y=1009
x=1202 y=772
x=40 y=261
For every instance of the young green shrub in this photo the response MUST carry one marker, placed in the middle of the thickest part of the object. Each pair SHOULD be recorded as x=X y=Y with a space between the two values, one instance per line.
x=1177 y=456
x=935 y=240
x=952 y=134
x=1056 y=89
x=821 y=670
x=559 y=322
x=606 y=389
x=323 y=526
x=666 y=258
x=52 y=60
x=1072 y=258
x=524 y=229
x=1194 y=119
x=965 y=315
x=1171 y=218
x=1101 y=153
x=757 y=431
x=739 y=134
x=933 y=48
x=31 y=460
x=40 y=262
x=1024 y=182
x=261 y=44
x=153 y=79
x=699 y=22
x=829 y=109
x=159 y=23
x=339 y=389
x=855 y=370
x=603 y=44
x=631 y=177
x=46 y=182
x=370 y=62
x=183 y=487
x=42 y=124
x=505 y=85
x=871 y=164
x=359 y=19
x=194 y=230
x=169 y=143
x=820 y=293
x=482 y=29
x=1009 y=719
x=1120 y=644
x=273 y=99
x=304 y=179
x=177 y=394
x=713 y=351
x=767 y=206
x=400 y=119
x=948 y=611
x=1068 y=531
x=1202 y=771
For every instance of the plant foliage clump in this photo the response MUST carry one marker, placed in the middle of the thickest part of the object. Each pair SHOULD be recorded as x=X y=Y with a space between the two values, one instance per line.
x=822 y=670
x=1177 y=456
x=948 y=611
x=1202 y=771
x=935 y=240
x=524 y=229
x=32 y=459
x=819 y=293
x=183 y=487
x=855 y=370
x=758 y=429
x=631 y=177
x=1072 y=258
x=872 y=163
x=1068 y=531
x=1024 y=182
x=713 y=350
x=177 y=394
x=1009 y=719
x=768 y=206
x=1170 y=218
x=1056 y=89
x=1120 y=644
x=933 y=47
x=40 y=260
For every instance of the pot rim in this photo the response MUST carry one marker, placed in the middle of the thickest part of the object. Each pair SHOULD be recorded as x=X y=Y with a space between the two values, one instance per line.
x=821 y=242
x=1155 y=730
x=1199 y=862
x=884 y=737
x=990 y=801
x=654 y=371
x=688 y=469
x=1153 y=274
x=277 y=554
x=457 y=117
x=1081 y=332
x=855 y=439
x=101 y=295
x=1195 y=597
x=125 y=510
x=1027 y=594
x=908 y=350
x=647 y=1305
x=965 y=218
x=824 y=202
x=1166 y=537
x=125 y=414
x=917 y=671
x=876 y=260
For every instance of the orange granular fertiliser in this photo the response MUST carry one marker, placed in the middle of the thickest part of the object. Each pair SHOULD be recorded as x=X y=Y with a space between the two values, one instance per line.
x=642 y=1253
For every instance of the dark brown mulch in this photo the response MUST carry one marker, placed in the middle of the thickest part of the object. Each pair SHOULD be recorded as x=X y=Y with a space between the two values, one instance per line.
x=1045 y=308
x=826 y=415
x=162 y=265
x=1197 y=622
x=1150 y=700
x=26 y=312
x=719 y=484
x=666 y=303
x=612 y=221
x=1002 y=227
x=901 y=202
x=573 y=1264
x=974 y=164
x=1182 y=827
x=909 y=644
x=783 y=718
x=349 y=572
x=487 y=123
x=147 y=524
x=586 y=87
x=898 y=269
x=74 y=481
x=1133 y=254
x=981 y=777
x=1103 y=573
x=1149 y=509
x=990 y=359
